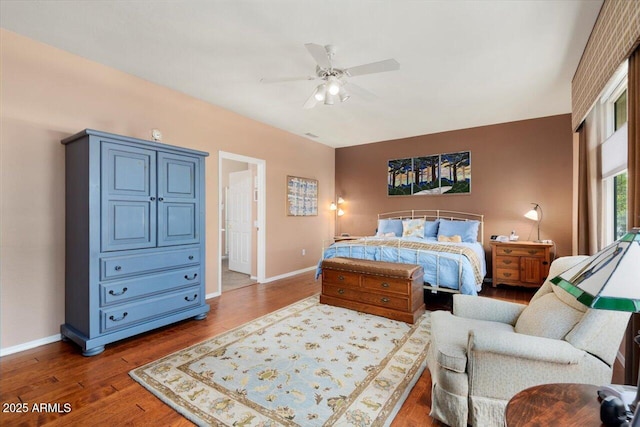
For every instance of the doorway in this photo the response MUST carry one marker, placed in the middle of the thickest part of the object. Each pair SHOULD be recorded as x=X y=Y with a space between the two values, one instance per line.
x=241 y=221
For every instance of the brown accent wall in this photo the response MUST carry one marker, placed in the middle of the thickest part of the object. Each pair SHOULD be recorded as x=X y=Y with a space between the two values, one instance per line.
x=512 y=165
x=48 y=94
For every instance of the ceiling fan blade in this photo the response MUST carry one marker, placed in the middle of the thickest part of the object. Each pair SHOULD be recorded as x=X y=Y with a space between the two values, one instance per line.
x=287 y=79
x=311 y=102
x=374 y=67
x=360 y=92
x=319 y=53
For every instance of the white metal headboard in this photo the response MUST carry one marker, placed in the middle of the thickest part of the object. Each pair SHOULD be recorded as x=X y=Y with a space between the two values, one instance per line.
x=433 y=214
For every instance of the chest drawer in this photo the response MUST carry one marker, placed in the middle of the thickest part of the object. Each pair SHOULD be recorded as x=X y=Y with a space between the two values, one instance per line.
x=125 y=290
x=128 y=314
x=520 y=251
x=128 y=265
x=342 y=278
x=381 y=283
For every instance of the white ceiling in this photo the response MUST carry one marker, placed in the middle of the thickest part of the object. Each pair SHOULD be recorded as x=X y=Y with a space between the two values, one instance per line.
x=462 y=63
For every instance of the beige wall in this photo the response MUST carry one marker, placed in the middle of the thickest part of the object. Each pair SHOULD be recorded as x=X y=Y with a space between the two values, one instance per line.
x=48 y=94
x=512 y=164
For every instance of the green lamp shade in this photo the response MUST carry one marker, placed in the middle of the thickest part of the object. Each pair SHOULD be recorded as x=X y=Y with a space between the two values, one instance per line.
x=608 y=280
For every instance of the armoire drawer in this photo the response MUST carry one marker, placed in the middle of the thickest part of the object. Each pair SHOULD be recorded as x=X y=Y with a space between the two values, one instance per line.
x=125 y=290
x=128 y=314
x=122 y=266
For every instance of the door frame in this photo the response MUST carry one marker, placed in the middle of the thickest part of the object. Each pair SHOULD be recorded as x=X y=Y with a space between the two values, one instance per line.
x=261 y=166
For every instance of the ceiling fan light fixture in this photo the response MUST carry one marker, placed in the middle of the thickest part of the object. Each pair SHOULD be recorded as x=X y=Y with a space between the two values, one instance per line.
x=328 y=99
x=343 y=94
x=319 y=93
x=333 y=85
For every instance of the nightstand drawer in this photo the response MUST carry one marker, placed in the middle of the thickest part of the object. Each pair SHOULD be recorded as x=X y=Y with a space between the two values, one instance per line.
x=520 y=251
x=507 y=274
x=508 y=262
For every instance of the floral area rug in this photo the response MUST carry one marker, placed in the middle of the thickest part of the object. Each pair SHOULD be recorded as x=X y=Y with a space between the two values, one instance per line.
x=308 y=364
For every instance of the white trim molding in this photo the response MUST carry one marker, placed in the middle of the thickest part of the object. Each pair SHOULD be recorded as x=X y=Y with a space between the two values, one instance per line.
x=29 y=345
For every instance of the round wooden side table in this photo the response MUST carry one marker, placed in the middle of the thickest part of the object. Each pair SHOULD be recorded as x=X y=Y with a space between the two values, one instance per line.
x=566 y=405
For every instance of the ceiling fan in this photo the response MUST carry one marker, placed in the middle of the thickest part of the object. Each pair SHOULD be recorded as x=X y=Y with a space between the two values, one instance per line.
x=335 y=79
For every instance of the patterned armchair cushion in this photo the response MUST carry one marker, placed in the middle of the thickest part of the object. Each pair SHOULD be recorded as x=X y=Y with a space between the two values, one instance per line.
x=548 y=317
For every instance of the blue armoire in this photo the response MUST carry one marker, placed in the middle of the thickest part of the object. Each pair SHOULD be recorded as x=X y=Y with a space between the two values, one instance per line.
x=135 y=237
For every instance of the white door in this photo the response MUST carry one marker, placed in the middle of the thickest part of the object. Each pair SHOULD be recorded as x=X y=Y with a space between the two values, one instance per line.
x=239 y=221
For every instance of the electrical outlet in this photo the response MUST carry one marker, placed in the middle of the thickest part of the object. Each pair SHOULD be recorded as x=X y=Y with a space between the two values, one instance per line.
x=304 y=252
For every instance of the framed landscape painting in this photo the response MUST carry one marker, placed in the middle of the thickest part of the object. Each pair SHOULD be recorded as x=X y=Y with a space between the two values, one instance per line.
x=448 y=173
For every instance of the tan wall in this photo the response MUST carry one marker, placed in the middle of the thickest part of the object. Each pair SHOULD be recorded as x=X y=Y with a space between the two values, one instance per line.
x=512 y=164
x=48 y=94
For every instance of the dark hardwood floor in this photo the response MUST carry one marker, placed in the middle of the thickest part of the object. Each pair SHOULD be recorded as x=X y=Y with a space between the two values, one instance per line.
x=98 y=390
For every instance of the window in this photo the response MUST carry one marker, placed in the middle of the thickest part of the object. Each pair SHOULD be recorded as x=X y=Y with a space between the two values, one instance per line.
x=614 y=165
x=620 y=205
x=620 y=111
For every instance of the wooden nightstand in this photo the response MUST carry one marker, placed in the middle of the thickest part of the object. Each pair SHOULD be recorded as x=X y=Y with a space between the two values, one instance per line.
x=520 y=263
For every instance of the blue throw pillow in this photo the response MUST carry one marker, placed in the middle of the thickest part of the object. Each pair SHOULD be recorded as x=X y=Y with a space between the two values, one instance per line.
x=431 y=228
x=389 y=226
x=467 y=230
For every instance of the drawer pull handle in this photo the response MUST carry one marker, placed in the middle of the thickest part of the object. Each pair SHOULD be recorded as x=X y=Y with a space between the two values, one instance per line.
x=341 y=277
x=117 y=294
x=186 y=276
x=385 y=300
x=508 y=251
x=113 y=319
x=190 y=257
x=191 y=299
x=117 y=268
x=533 y=251
x=507 y=262
x=507 y=274
x=384 y=285
x=341 y=291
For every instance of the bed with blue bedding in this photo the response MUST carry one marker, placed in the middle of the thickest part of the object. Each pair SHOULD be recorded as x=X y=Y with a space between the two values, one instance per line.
x=448 y=246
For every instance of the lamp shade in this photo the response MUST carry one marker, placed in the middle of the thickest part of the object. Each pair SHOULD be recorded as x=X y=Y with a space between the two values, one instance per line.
x=608 y=280
x=532 y=214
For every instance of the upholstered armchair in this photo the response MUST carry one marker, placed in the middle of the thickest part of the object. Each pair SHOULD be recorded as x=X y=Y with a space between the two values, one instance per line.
x=488 y=350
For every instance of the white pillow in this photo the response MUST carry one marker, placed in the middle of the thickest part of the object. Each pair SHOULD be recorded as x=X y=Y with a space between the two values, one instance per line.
x=413 y=228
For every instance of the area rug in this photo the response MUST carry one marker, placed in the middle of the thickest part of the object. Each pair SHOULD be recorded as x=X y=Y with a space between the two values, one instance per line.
x=308 y=364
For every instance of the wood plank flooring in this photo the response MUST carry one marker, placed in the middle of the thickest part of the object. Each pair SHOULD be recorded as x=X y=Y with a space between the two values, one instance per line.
x=99 y=391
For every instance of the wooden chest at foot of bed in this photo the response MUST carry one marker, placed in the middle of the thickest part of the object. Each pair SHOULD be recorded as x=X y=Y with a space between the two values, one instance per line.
x=375 y=287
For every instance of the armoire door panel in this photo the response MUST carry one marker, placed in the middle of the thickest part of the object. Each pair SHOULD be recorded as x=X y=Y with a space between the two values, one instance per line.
x=129 y=205
x=177 y=176
x=180 y=224
x=178 y=201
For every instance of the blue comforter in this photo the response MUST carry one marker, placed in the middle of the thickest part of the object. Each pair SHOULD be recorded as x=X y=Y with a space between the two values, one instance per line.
x=458 y=266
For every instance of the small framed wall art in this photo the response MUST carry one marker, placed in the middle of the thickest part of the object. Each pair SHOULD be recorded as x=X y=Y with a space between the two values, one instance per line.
x=302 y=196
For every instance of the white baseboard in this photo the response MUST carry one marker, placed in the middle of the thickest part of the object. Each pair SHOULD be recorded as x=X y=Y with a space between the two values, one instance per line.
x=29 y=345
x=290 y=274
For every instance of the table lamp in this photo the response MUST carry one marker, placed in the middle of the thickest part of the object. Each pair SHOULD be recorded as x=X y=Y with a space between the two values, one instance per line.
x=535 y=216
x=609 y=280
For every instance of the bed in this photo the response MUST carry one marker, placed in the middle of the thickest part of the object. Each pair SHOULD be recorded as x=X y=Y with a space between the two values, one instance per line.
x=447 y=244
